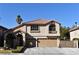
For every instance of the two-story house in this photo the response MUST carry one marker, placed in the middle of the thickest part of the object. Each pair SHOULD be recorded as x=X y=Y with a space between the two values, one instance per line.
x=74 y=33
x=38 y=33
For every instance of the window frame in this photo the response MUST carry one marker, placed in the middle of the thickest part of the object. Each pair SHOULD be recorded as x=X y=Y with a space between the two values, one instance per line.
x=35 y=30
x=34 y=27
x=52 y=28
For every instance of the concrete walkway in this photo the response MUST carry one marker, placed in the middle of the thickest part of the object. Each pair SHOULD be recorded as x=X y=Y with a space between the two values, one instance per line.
x=51 y=51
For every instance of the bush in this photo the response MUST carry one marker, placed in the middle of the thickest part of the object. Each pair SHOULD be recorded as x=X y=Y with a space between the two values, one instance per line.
x=5 y=51
x=17 y=50
x=76 y=39
x=11 y=50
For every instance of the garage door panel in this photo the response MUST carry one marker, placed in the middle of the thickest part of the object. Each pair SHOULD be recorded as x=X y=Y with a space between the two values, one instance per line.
x=47 y=43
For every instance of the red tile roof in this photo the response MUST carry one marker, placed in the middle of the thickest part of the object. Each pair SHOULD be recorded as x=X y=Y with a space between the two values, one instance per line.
x=37 y=21
x=40 y=21
x=73 y=29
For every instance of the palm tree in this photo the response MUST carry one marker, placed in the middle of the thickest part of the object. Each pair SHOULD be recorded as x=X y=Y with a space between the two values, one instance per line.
x=76 y=24
x=19 y=19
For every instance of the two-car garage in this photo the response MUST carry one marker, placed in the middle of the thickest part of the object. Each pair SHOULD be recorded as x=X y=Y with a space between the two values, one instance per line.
x=42 y=42
x=46 y=42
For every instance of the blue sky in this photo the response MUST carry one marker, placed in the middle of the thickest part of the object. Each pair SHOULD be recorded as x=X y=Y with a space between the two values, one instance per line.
x=66 y=14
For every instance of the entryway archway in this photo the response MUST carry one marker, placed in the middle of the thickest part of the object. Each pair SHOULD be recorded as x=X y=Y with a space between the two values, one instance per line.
x=10 y=40
x=19 y=39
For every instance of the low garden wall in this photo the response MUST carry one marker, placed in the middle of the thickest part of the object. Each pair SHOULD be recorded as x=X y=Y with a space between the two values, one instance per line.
x=68 y=44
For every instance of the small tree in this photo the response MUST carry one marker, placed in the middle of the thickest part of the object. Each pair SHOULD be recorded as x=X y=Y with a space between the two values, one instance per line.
x=19 y=19
x=65 y=33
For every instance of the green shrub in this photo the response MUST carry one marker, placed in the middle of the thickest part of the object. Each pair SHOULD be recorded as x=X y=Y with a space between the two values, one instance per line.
x=76 y=39
x=12 y=50
x=5 y=51
x=17 y=50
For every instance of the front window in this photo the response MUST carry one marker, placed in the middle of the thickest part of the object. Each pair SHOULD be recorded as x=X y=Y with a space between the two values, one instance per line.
x=34 y=28
x=52 y=28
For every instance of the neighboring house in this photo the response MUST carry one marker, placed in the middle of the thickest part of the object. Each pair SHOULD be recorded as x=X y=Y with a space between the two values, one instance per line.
x=74 y=33
x=2 y=30
x=38 y=33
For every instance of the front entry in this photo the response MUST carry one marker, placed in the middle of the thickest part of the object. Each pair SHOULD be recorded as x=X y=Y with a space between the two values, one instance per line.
x=19 y=40
x=10 y=40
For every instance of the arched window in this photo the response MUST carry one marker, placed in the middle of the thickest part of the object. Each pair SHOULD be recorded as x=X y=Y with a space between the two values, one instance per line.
x=52 y=28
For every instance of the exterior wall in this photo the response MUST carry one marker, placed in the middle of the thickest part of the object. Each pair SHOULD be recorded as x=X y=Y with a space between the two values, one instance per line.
x=2 y=31
x=44 y=31
x=23 y=29
x=74 y=34
x=1 y=37
x=68 y=44
x=76 y=43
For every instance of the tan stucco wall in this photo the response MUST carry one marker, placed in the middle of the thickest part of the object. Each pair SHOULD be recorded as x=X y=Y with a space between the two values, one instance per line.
x=23 y=29
x=44 y=31
x=74 y=34
x=67 y=44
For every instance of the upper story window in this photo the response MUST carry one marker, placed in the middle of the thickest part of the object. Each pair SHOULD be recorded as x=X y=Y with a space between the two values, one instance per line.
x=52 y=28
x=34 y=28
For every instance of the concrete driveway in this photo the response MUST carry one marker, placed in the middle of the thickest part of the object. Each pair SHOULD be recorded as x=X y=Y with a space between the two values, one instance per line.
x=51 y=51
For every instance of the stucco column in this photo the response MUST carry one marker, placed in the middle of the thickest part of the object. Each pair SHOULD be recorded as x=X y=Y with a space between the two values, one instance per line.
x=58 y=42
x=5 y=40
x=4 y=43
x=76 y=43
x=36 y=42
x=24 y=38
